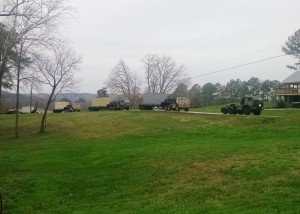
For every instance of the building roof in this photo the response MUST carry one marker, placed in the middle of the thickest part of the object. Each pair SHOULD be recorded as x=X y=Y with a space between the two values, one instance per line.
x=294 y=78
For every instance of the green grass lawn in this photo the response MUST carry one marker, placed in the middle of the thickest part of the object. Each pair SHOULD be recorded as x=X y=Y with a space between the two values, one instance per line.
x=151 y=162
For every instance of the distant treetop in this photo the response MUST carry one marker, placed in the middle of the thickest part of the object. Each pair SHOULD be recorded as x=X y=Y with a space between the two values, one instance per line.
x=102 y=92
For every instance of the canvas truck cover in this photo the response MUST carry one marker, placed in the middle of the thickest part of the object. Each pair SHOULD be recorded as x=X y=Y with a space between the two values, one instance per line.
x=100 y=101
x=183 y=101
x=60 y=105
x=154 y=98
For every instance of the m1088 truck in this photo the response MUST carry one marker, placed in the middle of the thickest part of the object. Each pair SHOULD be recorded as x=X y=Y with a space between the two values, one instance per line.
x=247 y=105
x=105 y=103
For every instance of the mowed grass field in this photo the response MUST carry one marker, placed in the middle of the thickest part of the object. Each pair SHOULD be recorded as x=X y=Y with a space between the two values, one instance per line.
x=151 y=162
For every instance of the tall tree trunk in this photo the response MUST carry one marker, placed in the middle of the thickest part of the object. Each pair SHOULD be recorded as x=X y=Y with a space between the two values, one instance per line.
x=30 y=108
x=43 y=122
x=18 y=92
x=17 y=102
x=2 y=71
x=0 y=92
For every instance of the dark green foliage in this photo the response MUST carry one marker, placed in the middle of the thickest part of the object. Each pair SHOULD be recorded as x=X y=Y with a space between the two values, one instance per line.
x=102 y=92
x=292 y=47
x=234 y=90
x=208 y=92
x=195 y=95
x=180 y=91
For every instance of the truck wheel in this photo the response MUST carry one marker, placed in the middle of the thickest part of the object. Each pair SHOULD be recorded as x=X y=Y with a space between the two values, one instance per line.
x=257 y=112
x=246 y=110
x=224 y=110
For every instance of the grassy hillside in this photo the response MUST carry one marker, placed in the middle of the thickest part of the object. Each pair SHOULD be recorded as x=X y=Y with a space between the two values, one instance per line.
x=151 y=162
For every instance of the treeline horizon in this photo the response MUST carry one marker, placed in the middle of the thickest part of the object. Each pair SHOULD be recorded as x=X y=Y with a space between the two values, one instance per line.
x=206 y=95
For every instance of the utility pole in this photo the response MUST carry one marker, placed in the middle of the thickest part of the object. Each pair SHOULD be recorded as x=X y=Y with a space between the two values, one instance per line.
x=30 y=97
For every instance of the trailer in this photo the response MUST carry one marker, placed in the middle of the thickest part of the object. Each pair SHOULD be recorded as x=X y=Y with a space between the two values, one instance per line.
x=152 y=100
x=99 y=103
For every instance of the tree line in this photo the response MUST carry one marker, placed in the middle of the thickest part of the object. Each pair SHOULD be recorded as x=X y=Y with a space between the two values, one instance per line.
x=206 y=95
x=234 y=90
x=164 y=75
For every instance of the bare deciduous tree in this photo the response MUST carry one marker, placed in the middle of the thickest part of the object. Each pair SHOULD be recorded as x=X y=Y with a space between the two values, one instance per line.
x=33 y=25
x=55 y=69
x=8 y=8
x=123 y=82
x=163 y=74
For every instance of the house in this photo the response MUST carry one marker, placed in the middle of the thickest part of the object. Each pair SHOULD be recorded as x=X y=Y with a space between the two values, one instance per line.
x=290 y=92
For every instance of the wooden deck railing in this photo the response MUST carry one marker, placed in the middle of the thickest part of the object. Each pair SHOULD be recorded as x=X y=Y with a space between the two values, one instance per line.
x=287 y=91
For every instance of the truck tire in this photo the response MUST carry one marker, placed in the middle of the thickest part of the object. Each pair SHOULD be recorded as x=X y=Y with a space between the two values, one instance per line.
x=224 y=110
x=246 y=110
x=257 y=112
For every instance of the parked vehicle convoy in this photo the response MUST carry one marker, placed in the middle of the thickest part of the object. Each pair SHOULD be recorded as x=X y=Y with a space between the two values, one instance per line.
x=176 y=104
x=152 y=100
x=247 y=105
x=60 y=107
x=105 y=103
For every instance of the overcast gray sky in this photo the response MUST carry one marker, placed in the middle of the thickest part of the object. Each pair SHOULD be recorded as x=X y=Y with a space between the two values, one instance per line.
x=204 y=35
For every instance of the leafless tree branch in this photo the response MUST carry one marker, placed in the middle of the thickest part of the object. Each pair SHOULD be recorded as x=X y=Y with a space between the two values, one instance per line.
x=162 y=73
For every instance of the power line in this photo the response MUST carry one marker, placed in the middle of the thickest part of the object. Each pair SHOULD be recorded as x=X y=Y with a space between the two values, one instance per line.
x=249 y=30
x=237 y=57
x=238 y=66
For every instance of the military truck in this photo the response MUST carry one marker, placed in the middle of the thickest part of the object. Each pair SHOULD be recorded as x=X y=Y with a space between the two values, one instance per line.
x=118 y=105
x=62 y=106
x=105 y=103
x=176 y=104
x=152 y=101
x=247 y=105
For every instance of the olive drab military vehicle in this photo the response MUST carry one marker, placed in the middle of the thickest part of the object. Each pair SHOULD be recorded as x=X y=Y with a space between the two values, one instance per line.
x=247 y=105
